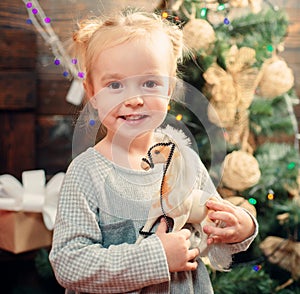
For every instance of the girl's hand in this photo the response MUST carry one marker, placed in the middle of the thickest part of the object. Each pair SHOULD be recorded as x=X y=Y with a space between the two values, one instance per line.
x=176 y=246
x=237 y=223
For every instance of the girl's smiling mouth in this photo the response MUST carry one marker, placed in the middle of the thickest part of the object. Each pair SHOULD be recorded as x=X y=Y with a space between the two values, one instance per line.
x=133 y=117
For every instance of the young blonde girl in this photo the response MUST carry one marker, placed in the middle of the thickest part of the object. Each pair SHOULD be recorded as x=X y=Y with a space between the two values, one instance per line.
x=130 y=63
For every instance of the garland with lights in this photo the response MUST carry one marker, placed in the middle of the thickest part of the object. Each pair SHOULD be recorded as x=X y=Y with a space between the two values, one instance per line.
x=42 y=23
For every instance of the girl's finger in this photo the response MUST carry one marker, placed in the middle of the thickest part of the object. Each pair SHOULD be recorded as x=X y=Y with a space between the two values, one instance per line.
x=220 y=206
x=227 y=235
x=187 y=233
x=191 y=265
x=222 y=216
x=193 y=253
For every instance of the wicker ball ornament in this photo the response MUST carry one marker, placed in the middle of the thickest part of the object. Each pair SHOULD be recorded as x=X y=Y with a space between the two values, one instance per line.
x=277 y=78
x=240 y=170
x=198 y=34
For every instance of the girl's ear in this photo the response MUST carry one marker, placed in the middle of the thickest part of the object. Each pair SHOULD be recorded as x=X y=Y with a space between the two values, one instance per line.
x=90 y=94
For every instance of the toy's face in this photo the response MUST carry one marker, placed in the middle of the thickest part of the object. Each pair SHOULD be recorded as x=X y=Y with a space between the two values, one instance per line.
x=160 y=154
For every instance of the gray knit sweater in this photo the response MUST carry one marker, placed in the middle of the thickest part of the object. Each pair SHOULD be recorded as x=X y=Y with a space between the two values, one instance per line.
x=101 y=209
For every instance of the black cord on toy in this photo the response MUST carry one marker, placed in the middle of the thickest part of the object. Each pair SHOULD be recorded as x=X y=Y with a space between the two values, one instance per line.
x=151 y=164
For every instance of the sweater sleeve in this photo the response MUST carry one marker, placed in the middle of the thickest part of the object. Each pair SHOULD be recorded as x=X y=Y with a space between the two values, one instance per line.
x=244 y=245
x=80 y=261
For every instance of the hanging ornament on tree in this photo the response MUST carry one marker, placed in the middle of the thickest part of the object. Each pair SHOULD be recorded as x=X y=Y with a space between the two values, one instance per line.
x=239 y=132
x=222 y=114
x=277 y=78
x=240 y=170
x=240 y=64
x=223 y=96
x=283 y=252
x=198 y=34
x=231 y=91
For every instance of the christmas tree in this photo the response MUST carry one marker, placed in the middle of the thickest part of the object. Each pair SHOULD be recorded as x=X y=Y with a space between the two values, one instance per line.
x=235 y=62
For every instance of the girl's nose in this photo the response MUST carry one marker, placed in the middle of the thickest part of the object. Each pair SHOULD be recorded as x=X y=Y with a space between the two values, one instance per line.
x=134 y=101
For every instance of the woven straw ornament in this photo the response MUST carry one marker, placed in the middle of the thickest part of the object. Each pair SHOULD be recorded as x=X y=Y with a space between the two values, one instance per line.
x=221 y=84
x=277 y=78
x=198 y=34
x=240 y=170
x=283 y=252
x=235 y=134
x=239 y=63
x=231 y=92
x=222 y=114
x=223 y=96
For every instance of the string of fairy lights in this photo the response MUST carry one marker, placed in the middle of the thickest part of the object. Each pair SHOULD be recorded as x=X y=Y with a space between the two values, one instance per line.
x=42 y=23
x=202 y=8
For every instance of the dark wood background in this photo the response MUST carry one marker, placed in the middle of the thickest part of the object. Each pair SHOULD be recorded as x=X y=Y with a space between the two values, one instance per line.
x=36 y=123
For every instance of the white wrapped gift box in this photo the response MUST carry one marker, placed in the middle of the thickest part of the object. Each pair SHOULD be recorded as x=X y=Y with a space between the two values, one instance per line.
x=28 y=211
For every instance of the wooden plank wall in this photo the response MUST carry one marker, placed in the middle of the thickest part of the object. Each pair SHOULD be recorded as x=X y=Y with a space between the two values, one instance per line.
x=51 y=116
x=17 y=100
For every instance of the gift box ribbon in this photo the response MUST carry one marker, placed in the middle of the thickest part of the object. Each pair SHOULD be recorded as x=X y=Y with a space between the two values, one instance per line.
x=33 y=196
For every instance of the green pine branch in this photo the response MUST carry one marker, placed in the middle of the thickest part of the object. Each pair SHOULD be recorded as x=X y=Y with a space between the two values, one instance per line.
x=242 y=280
x=279 y=165
x=269 y=117
x=262 y=31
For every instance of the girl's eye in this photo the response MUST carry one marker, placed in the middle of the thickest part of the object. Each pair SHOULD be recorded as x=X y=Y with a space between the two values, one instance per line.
x=115 y=85
x=150 y=84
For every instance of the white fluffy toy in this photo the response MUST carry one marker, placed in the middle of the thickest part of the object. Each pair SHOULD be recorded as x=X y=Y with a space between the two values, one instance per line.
x=178 y=198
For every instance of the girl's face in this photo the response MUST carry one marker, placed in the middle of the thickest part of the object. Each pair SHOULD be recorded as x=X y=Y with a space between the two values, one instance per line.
x=131 y=86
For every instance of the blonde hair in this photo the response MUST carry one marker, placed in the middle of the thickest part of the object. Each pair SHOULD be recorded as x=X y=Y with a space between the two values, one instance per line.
x=94 y=35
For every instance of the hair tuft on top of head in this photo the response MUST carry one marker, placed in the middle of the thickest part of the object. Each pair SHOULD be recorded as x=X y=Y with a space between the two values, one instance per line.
x=96 y=33
x=86 y=29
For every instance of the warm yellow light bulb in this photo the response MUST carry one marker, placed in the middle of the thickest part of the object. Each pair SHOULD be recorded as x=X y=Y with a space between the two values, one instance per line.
x=179 y=117
x=165 y=14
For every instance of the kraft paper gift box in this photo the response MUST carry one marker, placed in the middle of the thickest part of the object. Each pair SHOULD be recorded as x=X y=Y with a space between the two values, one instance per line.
x=28 y=211
x=23 y=231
